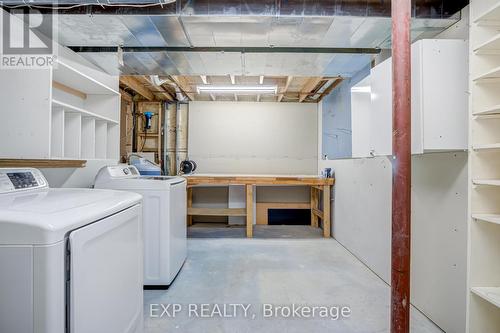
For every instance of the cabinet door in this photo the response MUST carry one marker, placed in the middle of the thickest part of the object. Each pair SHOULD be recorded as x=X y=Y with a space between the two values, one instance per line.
x=381 y=101
x=361 y=118
x=444 y=94
x=106 y=274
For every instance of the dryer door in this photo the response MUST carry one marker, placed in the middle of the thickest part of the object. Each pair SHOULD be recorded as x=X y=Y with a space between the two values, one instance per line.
x=106 y=275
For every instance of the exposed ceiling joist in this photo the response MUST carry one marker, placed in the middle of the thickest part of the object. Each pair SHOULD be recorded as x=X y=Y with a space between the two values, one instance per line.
x=330 y=88
x=308 y=87
x=183 y=86
x=285 y=89
x=136 y=86
x=158 y=90
x=126 y=96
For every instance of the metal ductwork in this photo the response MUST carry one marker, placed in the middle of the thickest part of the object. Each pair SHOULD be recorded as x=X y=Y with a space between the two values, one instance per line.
x=169 y=160
x=362 y=8
x=181 y=141
x=176 y=136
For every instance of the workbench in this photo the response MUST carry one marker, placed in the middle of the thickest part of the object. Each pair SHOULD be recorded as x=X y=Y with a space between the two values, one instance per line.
x=318 y=185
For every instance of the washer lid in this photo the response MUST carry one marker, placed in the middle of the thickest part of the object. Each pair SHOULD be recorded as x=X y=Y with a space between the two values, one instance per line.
x=46 y=216
x=140 y=183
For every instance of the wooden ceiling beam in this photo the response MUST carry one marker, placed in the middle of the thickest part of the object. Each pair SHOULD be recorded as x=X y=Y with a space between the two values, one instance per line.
x=330 y=88
x=136 y=86
x=308 y=87
x=159 y=91
x=287 y=85
x=183 y=85
x=126 y=96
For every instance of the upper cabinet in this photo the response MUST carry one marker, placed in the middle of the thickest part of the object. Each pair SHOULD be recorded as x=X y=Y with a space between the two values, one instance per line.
x=439 y=86
x=70 y=111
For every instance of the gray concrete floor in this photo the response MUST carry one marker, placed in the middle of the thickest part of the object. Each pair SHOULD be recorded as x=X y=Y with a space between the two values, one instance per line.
x=221 y=230
x=315 y=272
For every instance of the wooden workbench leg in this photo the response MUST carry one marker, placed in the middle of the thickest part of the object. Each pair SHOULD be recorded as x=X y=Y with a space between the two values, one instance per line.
x=314 y=205
x=326 y=211
x=249 y=205
x=189 y=218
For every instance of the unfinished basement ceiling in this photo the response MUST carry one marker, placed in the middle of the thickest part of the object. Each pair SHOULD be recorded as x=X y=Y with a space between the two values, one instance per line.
x=342 y=24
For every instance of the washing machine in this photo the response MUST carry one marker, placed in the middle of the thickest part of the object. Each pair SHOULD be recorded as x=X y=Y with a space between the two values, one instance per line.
x=164 y=216
x=70 y=259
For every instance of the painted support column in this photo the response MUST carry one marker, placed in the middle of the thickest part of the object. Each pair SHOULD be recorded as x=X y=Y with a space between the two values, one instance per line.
x=401 y=182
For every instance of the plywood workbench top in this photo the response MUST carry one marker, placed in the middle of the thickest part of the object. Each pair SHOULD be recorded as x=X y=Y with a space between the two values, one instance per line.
x=239 y=179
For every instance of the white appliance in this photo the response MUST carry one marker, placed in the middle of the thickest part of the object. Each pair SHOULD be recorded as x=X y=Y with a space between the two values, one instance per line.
x=70 y=259
x=164 y=218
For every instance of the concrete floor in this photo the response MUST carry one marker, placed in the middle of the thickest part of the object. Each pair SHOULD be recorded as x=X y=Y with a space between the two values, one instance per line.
x=221 y=230
x=317 y=272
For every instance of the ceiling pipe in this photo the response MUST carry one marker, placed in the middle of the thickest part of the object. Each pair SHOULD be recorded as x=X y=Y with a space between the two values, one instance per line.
x=433 y=9
x=401 y=167
x=229 y=49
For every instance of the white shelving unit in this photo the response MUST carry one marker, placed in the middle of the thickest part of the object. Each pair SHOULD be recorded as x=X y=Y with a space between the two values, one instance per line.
x=484 y=168
x=71 y=111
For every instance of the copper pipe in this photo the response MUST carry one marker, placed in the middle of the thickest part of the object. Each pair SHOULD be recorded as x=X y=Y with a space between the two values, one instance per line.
x=401 y=182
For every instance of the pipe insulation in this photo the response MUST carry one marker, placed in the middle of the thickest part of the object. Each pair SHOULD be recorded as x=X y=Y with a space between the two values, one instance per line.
x=170 y=139
x=181 y=142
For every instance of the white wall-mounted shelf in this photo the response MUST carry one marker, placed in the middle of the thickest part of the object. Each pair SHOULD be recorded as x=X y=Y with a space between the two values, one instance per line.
x=492 y=76
x=71 y=108
x=490 y=294
x=484 y=168
x=491 y=46
x=491 y=16
x=491 y=218
x=486 y=182
x=71 y=77
x=490 y=146
x=489 y=111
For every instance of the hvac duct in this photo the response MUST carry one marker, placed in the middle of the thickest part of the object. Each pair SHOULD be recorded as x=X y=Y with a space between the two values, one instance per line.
x=181 y=146
x=170 y=165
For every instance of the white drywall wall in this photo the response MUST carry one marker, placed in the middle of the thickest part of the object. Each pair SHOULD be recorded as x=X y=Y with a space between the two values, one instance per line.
x=361 y=207
x=253 y=138
x=361 y=211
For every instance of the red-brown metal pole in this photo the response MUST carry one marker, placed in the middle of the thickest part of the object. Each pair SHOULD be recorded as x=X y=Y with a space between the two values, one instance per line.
x=401 y=182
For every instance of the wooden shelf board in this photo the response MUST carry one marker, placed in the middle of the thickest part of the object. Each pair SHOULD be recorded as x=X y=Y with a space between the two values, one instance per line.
x=72 y=108
x=490 y=294
x=71 y=77
x=491 y=218
x=257 y=180
x=493 y=76
x=491 y=146
x=491 y=46
x=217 y=211
x=489 y=17
x=494 y=110
x=41 y=163
x=486 y=182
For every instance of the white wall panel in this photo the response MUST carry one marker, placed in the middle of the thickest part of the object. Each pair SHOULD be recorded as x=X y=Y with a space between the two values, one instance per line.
x=253 y=138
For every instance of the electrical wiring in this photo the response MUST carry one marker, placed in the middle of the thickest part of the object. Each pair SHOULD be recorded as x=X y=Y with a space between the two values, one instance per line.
x=88 y=4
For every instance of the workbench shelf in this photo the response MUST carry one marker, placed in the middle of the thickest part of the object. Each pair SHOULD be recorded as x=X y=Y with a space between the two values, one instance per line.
x=319 y=205
x=484 y=164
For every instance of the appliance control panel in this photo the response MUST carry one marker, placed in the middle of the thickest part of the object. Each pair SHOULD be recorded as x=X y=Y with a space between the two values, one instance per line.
x=21 y=179
x=123 y=171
